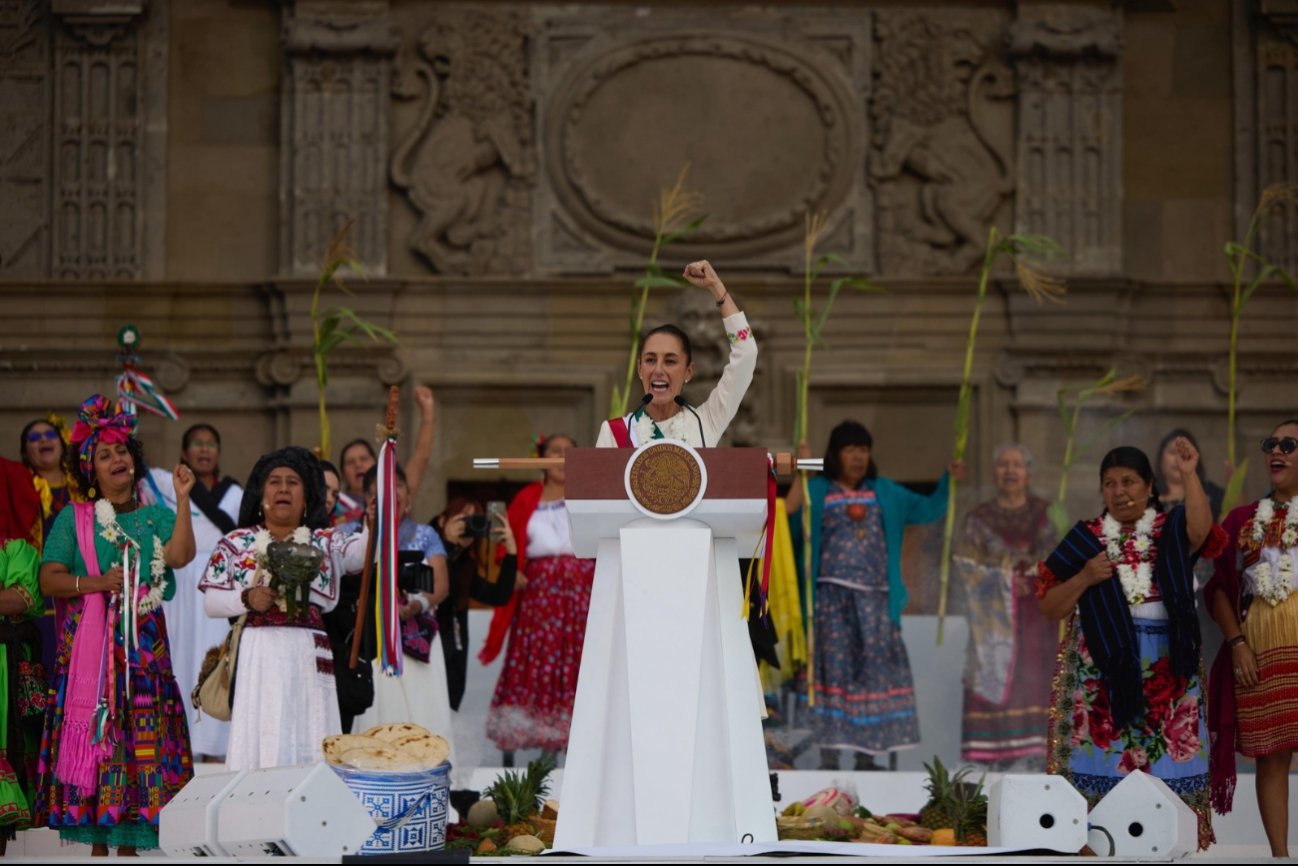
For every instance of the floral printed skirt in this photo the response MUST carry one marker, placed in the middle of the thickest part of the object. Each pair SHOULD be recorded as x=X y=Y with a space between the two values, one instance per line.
x=1169 y=740
x=532 y=707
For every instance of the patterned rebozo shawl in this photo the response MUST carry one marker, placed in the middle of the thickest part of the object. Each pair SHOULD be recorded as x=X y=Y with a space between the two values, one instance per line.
x=1105 y=614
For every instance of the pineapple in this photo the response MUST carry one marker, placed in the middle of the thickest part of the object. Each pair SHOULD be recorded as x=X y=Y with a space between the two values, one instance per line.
x=971 y=812
x=955 y=803
x=939 y=811
x=520 y=796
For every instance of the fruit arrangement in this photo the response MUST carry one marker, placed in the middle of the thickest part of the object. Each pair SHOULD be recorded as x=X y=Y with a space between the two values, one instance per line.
x=512 y=818
x=955 y=814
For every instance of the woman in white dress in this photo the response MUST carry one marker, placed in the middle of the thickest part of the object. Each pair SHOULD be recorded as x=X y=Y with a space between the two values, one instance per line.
x=667 y=365
x=214 y=509
x=285 y=700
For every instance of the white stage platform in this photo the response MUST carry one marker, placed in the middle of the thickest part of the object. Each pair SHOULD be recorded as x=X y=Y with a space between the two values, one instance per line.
x=1239 y=834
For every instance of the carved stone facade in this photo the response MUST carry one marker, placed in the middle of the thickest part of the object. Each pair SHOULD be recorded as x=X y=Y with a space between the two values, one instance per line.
x=763 y=106
x=468 y=163
x=501 y=161
x=942 y=119
x=1267 y=125
x=334 y=122
x=24 y=139
x=1070 y=131
x=107 y=157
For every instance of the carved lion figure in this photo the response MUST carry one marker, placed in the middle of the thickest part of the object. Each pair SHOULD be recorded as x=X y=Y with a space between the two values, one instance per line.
x=471 y=141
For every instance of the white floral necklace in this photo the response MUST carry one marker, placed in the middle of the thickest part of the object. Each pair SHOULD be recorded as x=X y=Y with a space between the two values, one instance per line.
x=112 y=532
x=648 y=429
x=261 y=541
x=1132 y=554
x=1266 y=529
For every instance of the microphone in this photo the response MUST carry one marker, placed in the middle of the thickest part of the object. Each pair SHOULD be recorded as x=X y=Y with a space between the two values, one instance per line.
x=644 y=401
x=680 y=401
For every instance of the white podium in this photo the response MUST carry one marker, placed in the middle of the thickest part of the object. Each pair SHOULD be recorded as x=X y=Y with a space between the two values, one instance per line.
x=666 y=741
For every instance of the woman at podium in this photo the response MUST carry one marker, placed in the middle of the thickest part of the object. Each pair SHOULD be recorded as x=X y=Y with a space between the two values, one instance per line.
x=667 y=364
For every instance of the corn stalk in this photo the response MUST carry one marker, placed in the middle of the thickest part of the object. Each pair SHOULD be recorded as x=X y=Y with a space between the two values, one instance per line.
x=1242 y=257
x=1040 y=288
x=813 y=326
x=1108 y=384
x=339 y=325
x=675 y=216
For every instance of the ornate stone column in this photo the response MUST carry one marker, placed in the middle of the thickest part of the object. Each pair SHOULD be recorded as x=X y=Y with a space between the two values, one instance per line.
x=334 y=130
x=1266 y=121
x=1070 y=131
x=109 y=139
x=24 y=140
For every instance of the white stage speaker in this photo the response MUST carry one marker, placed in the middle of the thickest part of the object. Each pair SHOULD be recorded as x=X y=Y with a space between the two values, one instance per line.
x=1142 y=817
x=304 y=811
x=1034 y=810
x=187 y=825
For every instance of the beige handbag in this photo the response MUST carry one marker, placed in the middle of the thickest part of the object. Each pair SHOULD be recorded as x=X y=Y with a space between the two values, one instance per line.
x=214 y=693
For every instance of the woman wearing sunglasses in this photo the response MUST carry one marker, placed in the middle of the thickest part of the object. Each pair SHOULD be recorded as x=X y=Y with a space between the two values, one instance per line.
x=1253 y=595
x=42 y=449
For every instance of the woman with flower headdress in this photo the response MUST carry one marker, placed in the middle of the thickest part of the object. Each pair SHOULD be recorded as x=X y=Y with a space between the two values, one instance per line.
x=1128 y=690
x=545 y=618
x=116 y=745
x=1253 y=596
x=285 y=699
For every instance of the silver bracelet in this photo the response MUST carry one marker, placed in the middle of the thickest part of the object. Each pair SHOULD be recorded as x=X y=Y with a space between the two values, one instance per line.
x=78 y=584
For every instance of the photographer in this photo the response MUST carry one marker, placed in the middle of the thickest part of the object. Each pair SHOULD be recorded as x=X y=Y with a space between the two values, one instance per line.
x=419 y=694
x=465 y=531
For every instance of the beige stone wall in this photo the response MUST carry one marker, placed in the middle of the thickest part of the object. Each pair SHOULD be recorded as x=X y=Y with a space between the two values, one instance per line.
x=512 y=349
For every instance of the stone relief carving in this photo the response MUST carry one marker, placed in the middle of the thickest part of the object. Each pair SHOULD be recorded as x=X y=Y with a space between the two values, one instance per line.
x=1275 y=114
x=24 y=139
x=335 y=131
x=99 y=126
x=467 y=165
x=767 y=116
x=942 y=152
x=1070 y=132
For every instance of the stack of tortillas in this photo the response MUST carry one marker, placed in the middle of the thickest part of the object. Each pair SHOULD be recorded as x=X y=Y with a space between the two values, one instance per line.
x=396 y=748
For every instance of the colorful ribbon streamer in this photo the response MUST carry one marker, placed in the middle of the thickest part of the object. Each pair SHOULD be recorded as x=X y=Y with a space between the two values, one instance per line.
x=135 y=389
x=386 y=522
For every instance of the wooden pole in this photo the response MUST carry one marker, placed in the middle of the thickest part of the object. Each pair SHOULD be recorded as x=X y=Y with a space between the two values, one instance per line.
x=367 y=574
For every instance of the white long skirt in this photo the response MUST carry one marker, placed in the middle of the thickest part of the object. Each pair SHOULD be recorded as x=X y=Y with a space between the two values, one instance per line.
x=419 y=695
x=285 y=701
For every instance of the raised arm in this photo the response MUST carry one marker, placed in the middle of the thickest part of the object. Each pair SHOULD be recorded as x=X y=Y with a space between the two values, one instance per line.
x=424 y=442
x=1198 y=512
x=723 y=403
x=179 y=549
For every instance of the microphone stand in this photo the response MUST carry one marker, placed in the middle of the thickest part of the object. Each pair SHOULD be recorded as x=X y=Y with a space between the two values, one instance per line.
x=680 y=401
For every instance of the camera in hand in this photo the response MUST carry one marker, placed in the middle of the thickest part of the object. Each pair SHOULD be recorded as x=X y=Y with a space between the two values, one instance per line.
x=413 y=574
x=477 y=526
